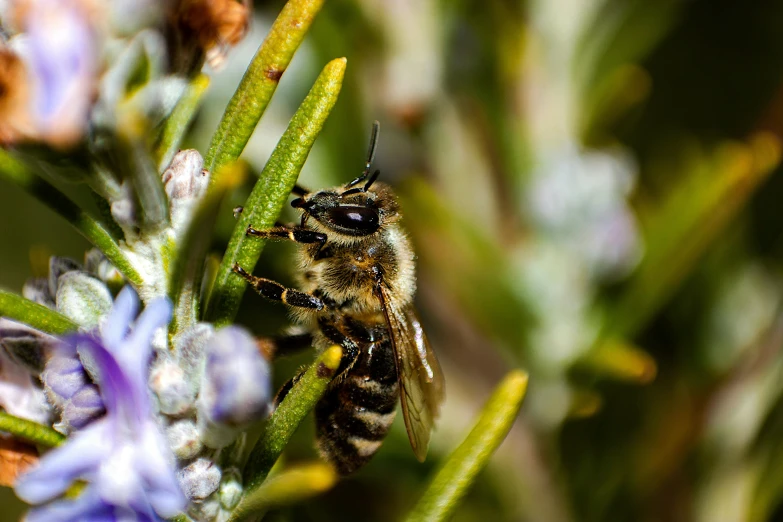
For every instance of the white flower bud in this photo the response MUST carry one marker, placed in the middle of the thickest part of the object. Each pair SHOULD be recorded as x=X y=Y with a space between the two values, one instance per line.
x=184 y=440
x=207 y=510
x=190 y=347
x=230 y=489
x=185 y=182
x=199 y=479
x=167 y=382
x=97 y=264
x=83 y=298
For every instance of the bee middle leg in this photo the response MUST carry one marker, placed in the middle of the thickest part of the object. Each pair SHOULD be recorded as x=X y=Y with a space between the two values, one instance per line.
x=277 y=292
x=285 y=345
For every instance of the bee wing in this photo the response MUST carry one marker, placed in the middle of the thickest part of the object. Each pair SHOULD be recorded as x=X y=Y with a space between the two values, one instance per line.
x=418 y=372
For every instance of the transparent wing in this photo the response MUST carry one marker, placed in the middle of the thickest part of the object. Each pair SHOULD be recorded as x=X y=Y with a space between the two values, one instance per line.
x=419 y=374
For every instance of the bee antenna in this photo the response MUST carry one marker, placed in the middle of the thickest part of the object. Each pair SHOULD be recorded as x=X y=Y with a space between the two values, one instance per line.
x=371 y=180
x=376 y=129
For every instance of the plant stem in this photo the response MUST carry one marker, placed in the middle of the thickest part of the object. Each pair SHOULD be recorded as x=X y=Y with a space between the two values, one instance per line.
x=35 y=315
x=177 y=123
x=32 y=431
x=14 y=172
x=271 y=191
x=460 y=470
x=259 y=83
x=187 y=267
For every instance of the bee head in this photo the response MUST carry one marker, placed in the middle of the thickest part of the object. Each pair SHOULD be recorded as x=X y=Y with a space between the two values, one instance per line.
x=353 y=213
x=355 y=209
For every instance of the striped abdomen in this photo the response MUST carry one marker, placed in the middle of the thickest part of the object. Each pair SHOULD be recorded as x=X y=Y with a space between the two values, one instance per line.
x=354 y=416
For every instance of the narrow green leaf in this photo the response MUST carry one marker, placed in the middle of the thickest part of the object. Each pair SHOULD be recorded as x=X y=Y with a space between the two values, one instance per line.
x=271 y=191
x=289 y=414
x=32 y=314
x=191 y=252
x=290 y=486
x=32 y=431
x=177 y=123
x=259 y=83
x=712 y=189
x=458 y=473
x=15 y=172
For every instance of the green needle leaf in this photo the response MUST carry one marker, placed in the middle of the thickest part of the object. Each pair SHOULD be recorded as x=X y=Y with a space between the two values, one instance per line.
x=271 y=191
x=177 y=123
x=289 y=414
x=461 y=468
x=290 y=486
x=15 y=172
x=32 y=431
x=259 y=83
x=32 y=314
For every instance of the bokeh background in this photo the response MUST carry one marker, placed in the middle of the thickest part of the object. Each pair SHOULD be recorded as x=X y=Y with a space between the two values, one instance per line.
x=594 y=193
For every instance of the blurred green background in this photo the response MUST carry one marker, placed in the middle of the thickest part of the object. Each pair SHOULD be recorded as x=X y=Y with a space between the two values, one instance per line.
x=592 y=187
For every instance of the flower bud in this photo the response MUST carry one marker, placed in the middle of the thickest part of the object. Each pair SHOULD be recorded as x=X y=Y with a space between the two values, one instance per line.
x=185 y=182
x=235 y=386
x=19 y=394
x=206 y=510
x=26 y=346
x=37 y=290
x=199 y=479
x=57 y=267
x=183 y=439
x=83 y=298
x=85 y=406
x=167 y=381
x=190 y=348
x=97 y=264
x=69 y=389
x=230 y=488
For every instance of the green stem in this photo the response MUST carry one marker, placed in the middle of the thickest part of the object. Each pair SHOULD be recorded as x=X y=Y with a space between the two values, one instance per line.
x=272 y=190
x=289 y=487
x=32 y=431
x=460 y=470
x=259 y=83
x=35 y=315
x=14 y=172
x=177 y=123
x=289 y=414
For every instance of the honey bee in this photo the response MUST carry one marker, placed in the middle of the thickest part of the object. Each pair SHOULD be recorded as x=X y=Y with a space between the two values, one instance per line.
x=357 y=280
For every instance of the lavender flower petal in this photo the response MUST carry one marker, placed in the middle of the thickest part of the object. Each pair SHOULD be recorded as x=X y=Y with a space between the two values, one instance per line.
x=123 y=456
x=57 y=470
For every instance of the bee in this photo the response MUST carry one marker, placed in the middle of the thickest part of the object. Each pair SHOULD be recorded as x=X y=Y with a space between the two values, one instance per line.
x=357 y=284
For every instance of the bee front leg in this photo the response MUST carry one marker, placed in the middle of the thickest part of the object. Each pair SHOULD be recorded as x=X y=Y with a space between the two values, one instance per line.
x=277 y=292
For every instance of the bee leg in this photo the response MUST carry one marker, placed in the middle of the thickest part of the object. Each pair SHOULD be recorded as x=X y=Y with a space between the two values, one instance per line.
x=284 y=389
x=350 y=348
x=298 y=190
x=285 y=345
x=296 y=234
x=277 y=292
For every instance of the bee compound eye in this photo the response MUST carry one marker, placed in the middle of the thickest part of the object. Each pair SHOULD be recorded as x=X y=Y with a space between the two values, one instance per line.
x=356 y=219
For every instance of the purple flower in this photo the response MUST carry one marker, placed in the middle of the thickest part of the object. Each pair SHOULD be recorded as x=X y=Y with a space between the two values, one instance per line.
x=60 y=53
x=235 y=386
x=122 y=456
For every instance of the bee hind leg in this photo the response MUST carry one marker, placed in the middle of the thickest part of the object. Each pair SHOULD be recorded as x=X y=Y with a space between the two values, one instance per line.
x=277 y=292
